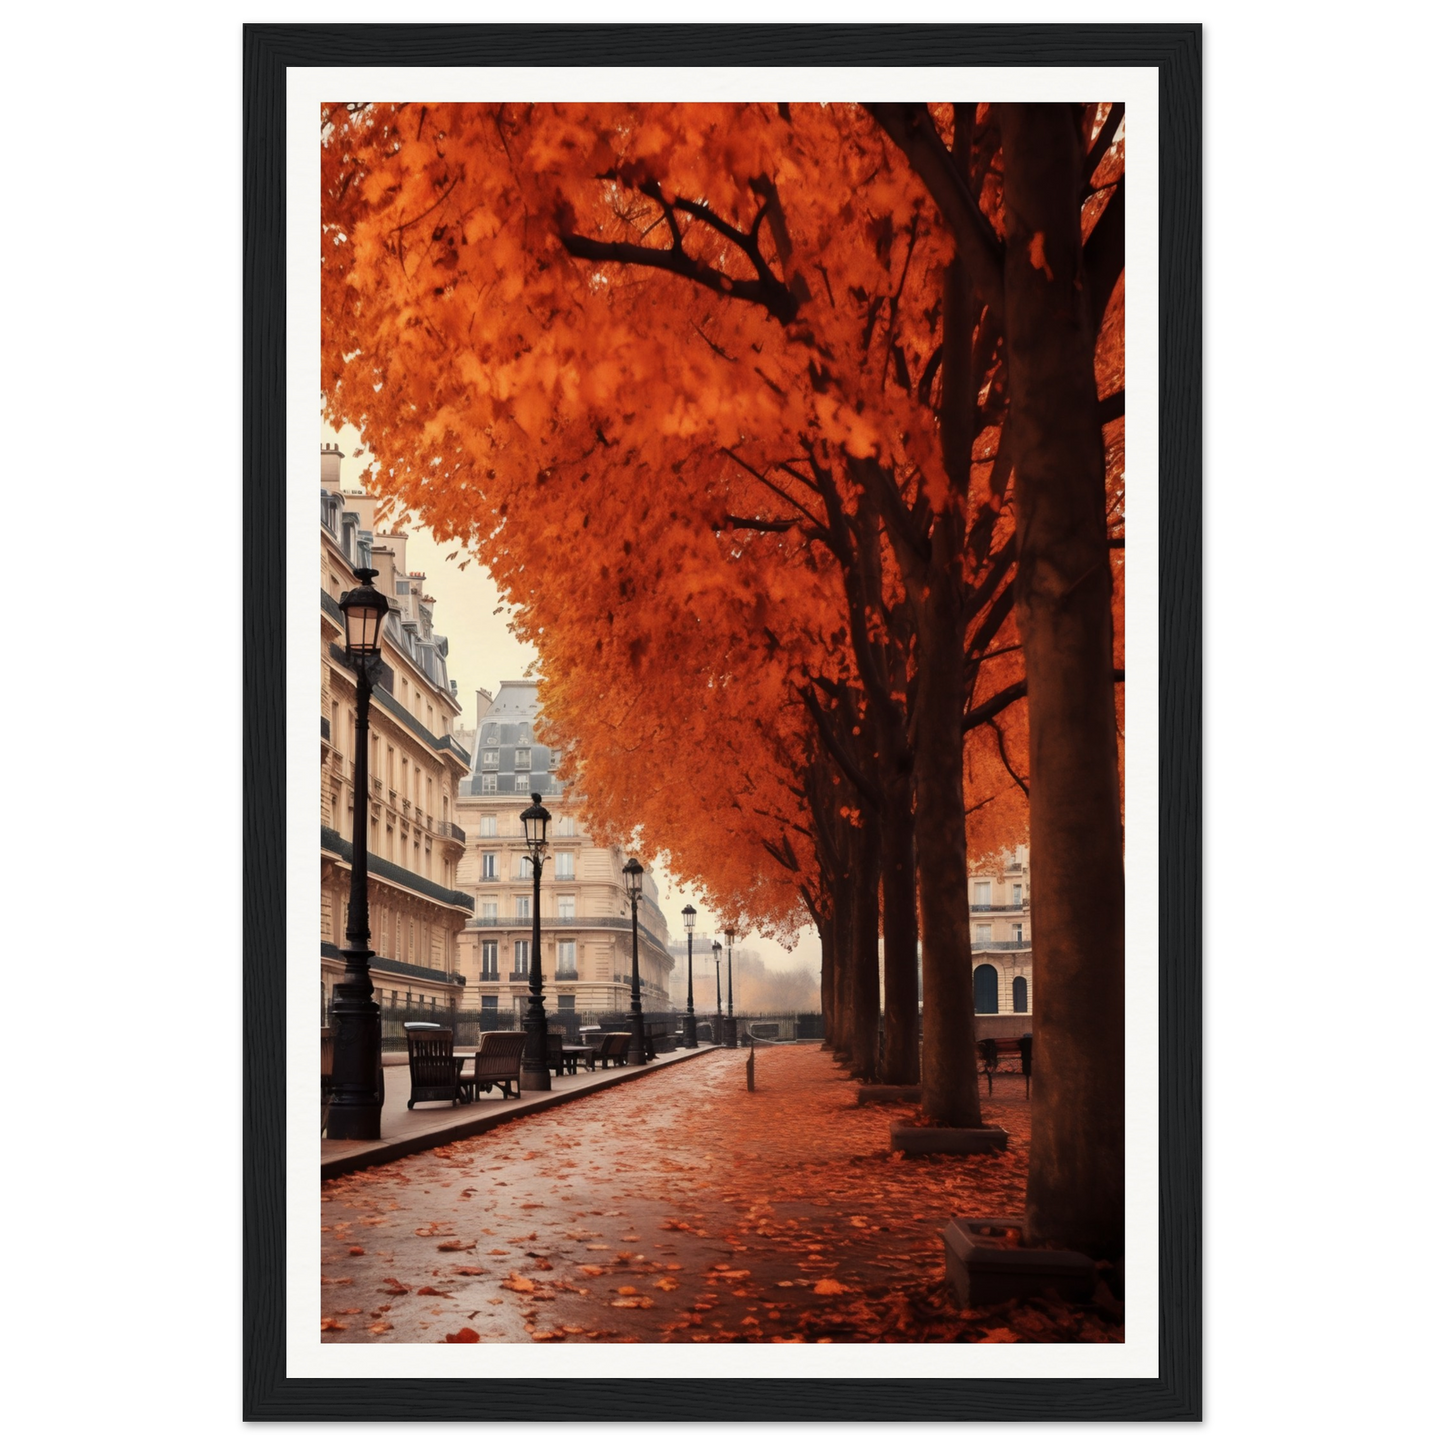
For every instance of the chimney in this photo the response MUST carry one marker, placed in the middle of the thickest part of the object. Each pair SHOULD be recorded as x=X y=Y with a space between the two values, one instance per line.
x=397 y=542
x=330 y=468
x=484 y=704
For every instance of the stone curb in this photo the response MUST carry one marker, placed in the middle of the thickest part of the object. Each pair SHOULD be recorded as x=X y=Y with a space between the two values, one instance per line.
x=923 y=1139
x=983 y=1272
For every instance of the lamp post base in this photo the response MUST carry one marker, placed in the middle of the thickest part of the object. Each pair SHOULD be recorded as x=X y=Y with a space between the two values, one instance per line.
x=535 y=1074
x=730 y=1032
x=689 y=1030
x=637 y=1043
x=357 y=1088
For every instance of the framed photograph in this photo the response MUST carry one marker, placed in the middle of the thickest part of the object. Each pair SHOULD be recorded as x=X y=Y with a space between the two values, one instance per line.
x=735 y=998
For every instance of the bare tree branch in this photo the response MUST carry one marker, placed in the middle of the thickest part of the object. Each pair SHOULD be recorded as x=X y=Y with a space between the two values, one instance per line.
x=911 y=129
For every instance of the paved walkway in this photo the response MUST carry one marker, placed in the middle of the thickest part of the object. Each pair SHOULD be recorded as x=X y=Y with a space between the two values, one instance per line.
x=681 y=1208
x=406 y=1131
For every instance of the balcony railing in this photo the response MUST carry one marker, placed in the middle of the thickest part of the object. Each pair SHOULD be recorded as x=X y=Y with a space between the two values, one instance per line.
x=395 y=965
x=333 y=842
x=1020 y=906
x=984 y=945
x=520 y=975
x=623 y=925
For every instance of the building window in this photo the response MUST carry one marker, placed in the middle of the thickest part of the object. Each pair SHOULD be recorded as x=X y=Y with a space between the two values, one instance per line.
x=1018 y=895
x=567 y=959
x=489 y=759
x=489 y=782
x=1018 y=933
x=524 y=866
x=982 y=894
x=524 y=759
x=521 y=956
x=522 y=783
x=567 y=827
x=985 y=989
x=489 y=1003
x=566 y=1003
x=984 y=933
x=1021 y=995
x=524 y=908
x=487 y=825
x=564 y=865
x=489 y=865
x=567 y=905
x=489 y=910
x=489 y=958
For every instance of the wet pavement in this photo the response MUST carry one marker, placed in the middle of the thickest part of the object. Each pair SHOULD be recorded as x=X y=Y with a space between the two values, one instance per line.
x=405 y=1131
x=679 y=1207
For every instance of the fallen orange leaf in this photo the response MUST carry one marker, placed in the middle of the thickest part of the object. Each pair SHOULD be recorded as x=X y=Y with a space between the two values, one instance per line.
x=464 y=1336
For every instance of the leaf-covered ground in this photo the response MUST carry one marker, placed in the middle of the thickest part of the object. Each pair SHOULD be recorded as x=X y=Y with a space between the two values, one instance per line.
x=681 y=1207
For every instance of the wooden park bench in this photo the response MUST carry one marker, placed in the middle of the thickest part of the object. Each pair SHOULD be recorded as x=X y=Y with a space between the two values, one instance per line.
x=991 y=1051
x=612 y=1049
x=498 y=1061
x=435 y=1072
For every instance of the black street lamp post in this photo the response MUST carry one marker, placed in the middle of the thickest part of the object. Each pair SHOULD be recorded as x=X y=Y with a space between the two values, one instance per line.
x=731 y=1026
x=637 y=1044
x=535 y=1073
x=356 y=1085
x=689 y=1019
x=717 y=1033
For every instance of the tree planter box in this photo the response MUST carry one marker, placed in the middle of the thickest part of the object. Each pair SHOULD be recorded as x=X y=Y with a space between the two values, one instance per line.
x=985 y=1270
x=923 y=1139
x=890 y=1093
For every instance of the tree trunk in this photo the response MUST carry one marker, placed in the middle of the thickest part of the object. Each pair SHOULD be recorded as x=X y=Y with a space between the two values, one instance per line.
x=825 y=982
x=949 y=1066
x=899 y=1064
x=843 y=967
x=863 y=1010
x=1076 y=1162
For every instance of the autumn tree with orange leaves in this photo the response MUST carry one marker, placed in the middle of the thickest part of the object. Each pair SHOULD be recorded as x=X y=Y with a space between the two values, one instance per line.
x=796 y=434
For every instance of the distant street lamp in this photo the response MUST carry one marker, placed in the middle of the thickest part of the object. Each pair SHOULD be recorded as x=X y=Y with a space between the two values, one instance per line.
x=535 y=1073
x=637 y=1044
x=356 y=1084
x=717 y=1033
x=689 y=1019
x=730 y=1028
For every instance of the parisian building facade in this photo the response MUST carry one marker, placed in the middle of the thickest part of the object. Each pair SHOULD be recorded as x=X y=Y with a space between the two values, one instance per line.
x=1003 y=959
x=586 y=919
x=417 y=909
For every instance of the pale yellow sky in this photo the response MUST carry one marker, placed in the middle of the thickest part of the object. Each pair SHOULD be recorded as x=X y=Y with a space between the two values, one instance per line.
x=481 y=651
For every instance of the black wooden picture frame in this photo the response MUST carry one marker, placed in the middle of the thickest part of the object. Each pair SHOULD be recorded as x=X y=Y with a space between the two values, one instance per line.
x=269 y=1394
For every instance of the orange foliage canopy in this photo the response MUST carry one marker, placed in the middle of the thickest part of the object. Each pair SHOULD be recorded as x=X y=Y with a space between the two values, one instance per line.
x=629 y=357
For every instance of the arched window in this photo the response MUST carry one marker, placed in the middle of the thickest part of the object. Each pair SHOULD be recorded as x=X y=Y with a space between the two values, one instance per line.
x=1021 y=995
x=985 y=989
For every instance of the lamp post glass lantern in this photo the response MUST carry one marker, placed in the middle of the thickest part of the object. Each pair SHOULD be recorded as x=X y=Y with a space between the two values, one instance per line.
x=535 y=1074
x=717 y=1032
x=356 y=1079
x=689 y=1019
x=637 y=1045
x=730 y=1028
